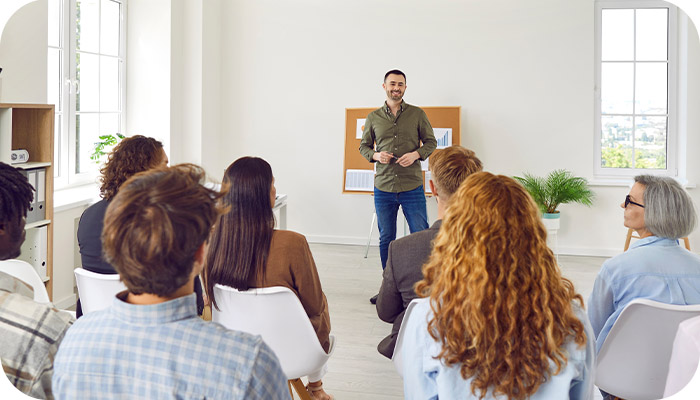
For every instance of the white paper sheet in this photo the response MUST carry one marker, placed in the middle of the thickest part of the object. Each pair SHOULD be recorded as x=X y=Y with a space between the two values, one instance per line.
x=443 y=137
x=359 y=180
x=360 y=128
x=424 y=164
x=426 y=186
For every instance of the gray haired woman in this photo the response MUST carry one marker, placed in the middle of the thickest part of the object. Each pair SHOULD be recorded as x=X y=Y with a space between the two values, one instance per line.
x=655 y=267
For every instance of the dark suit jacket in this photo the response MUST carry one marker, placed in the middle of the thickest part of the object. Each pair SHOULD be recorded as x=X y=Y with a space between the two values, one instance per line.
x=403 y=269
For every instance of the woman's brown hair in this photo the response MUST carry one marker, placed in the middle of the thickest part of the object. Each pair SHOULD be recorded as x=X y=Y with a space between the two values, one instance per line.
x=240 y=243
x=502 y=310
x=133 y=154
x=155 y=225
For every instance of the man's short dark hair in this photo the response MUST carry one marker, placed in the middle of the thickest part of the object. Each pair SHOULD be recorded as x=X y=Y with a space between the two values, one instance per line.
x=395 y=72
x=15 y=194
x=155 y=225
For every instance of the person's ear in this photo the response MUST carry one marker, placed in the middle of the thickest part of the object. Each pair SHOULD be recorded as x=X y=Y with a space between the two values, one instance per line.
x=433 y=189
x=201 y=253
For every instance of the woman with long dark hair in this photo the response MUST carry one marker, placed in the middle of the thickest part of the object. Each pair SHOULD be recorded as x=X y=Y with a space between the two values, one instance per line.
x=498 y=321
x=246 y=251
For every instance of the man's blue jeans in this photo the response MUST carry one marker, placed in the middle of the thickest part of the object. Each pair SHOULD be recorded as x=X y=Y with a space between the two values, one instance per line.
x=387 y=205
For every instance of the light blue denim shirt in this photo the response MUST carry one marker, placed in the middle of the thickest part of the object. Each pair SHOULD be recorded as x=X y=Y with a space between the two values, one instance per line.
x=428 y=378
x=163 y=351
x=653 y=268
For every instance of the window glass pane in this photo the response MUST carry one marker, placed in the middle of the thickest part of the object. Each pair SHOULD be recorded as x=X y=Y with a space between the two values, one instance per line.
x=87 y=33
x=87 y=131
x=650 y=90
x=109 y=123
x=617 y=83
x=53 y=79
x=652 y=34
x=650 y=142
x=616 y=142
x=109 y=35
x=617 y=35
x=54 y=23
x=88 y=76
x=109 y=84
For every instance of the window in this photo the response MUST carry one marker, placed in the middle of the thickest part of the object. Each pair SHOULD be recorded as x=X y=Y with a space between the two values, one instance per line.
x=86 y=81
x=636 y=64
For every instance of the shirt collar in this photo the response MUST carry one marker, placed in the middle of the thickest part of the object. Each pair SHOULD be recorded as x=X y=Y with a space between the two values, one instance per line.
x=10 y=284
x=655 y=241
x=387 y=109
x=155 y=314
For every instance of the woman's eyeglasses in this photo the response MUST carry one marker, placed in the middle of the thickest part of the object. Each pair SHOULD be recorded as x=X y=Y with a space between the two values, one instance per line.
x=628 y=202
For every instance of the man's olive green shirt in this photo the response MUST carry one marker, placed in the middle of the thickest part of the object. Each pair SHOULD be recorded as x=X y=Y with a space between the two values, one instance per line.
x=398 y=135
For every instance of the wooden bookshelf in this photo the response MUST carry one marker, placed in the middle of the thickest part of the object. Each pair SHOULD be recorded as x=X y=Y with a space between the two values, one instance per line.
x=31 y=127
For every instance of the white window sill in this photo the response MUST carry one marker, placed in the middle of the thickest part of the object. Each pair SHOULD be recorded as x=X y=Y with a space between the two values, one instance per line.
x=627 y=182
x=65 y=199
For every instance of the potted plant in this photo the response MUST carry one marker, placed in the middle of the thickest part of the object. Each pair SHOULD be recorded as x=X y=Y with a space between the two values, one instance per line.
x=104 y=146
x=559 y=187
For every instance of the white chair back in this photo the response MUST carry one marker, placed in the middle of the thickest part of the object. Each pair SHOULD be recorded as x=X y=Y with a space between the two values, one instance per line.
x=633 y=361
x=397 y=358
x=276 y=314
x=27 y=274
x=96 y=291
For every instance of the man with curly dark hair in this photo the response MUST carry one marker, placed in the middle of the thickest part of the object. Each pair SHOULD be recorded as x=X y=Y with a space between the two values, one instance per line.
x=29 y=332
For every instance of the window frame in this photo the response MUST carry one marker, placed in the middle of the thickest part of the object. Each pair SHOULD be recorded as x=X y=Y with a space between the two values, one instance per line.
x=65 y=138
x=673 y=147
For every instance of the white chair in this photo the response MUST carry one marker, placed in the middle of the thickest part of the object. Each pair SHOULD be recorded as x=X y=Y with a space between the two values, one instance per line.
x=27 y=274
x=397 y=359
x=96 y=291
x=633 y=361
x=276 y=314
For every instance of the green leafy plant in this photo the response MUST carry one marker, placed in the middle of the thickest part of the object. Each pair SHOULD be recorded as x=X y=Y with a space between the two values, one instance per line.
x=104 y=146
x=559 y=187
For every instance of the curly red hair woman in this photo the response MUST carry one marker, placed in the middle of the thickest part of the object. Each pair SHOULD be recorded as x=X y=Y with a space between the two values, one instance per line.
x=497 y=319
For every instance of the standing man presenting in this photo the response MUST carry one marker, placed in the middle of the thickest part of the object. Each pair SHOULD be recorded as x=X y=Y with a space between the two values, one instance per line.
x=397 y=136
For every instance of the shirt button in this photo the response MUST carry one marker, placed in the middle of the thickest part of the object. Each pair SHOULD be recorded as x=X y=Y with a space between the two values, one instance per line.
x=394 y=136
x=394 y=123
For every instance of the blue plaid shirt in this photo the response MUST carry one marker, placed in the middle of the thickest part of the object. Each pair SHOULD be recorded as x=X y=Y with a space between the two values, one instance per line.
x=163 y=351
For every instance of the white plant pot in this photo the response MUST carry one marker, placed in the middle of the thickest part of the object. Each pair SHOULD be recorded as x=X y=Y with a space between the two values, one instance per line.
x=551 y=221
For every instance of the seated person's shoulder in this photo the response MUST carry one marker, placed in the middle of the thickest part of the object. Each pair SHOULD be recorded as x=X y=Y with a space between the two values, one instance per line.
x=232 y=341
x=288 y=238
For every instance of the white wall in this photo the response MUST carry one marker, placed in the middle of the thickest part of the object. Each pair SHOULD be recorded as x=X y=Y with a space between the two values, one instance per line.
x=23 y=52
x=148 y=77
x=522 y=72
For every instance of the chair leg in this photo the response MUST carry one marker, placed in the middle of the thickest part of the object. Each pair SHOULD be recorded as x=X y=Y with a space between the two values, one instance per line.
x=629 y=238
x=369 y=237
x=289 y=386
x=687 y=243
x=300 y=389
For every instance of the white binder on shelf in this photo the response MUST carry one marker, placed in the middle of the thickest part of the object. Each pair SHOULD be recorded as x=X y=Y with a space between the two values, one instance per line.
x=34 y=250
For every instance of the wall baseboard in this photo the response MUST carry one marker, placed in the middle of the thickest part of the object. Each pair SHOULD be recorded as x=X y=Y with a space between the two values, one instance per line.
x=563 y=250
x=66 y=302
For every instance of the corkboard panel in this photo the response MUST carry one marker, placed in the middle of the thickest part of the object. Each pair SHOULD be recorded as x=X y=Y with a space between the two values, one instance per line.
x=439 y=117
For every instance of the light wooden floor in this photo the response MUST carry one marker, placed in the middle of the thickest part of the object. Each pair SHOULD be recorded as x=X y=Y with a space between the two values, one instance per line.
x=356 y=370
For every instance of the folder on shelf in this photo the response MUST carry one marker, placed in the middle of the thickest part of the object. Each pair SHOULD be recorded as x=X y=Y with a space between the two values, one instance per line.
x=37 y=209
x=34 y=249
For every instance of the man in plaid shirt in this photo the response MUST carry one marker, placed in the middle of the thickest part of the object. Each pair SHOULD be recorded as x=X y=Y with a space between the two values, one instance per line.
x=29 y=332
x=150 y=344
